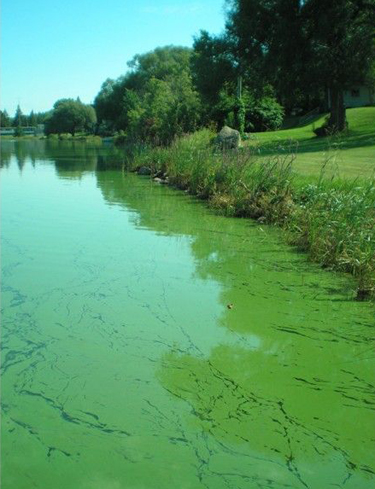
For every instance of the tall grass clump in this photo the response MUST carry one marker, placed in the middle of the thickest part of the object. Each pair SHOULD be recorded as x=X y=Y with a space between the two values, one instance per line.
x=333 y=221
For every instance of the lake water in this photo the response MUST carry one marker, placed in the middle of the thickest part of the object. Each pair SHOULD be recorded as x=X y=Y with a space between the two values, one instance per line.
x=148 y=343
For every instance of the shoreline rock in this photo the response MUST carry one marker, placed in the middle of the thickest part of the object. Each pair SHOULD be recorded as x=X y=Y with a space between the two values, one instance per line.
x=228 y=138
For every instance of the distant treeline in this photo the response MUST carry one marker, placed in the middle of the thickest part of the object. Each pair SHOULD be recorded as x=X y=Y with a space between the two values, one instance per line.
x=274 y=57
x=21 y=120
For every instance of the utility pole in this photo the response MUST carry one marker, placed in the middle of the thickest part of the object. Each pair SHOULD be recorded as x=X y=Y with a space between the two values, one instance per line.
x=239 y=87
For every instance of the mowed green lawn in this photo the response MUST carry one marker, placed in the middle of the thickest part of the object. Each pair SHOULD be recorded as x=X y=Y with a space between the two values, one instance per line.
x=349 y=155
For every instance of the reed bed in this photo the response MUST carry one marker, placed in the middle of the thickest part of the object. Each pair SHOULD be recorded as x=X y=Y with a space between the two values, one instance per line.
x=332 y=220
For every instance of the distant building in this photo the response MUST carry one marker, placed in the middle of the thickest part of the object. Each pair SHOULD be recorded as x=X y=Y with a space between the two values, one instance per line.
x=359 y=96
x=356 y=96
x=37 y=131
x=7 y=131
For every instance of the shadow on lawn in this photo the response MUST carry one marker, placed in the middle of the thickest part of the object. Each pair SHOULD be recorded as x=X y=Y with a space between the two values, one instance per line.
x=354 y=139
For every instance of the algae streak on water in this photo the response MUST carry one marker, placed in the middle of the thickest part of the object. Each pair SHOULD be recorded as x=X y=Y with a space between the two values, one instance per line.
x=124 y=367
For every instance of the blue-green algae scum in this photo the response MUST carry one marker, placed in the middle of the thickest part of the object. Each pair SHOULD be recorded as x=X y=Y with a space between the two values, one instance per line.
x=148 y=343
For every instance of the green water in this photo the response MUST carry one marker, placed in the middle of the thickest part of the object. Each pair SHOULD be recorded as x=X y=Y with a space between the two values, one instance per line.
x=122 y=365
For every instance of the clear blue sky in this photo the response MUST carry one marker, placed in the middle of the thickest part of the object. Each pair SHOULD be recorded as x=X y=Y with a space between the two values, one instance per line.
x=52 y=49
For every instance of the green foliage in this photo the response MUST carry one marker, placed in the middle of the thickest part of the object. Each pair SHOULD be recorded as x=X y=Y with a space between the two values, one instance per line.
x=341 y=40
x=335 y=224
x=263 y=114
x=108 y=103
x=268 y=44
x=120 y=138
x=70 y=116
x=333 y=221
x=19 y=118
x=65 y=136
x=250 y=113
x=161 y=63
x=5 y=119
x=212 y=68
x=303 y=48
x=18 y=132
x=33 y=120
x=225 y=109
x=155 y=101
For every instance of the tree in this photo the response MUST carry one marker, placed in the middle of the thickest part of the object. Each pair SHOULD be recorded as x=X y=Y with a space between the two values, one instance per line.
x=70 y=116
x=4 y=119
x=41 y=117
x=162 y=63
x=18 y=131
x=342 y=47
x=155 y=100
x=108 y=101
x=213 y=67
x=270 y=47
x=19 y=119
x=33 y=121
x=305 y=47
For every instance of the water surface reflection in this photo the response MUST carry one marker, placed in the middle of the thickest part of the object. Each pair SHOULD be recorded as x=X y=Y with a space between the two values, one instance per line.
x=124 y=367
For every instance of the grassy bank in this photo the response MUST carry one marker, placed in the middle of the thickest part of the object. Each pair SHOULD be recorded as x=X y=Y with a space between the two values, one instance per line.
x=9 y=137
x=332 y=220
x=77 y=137
x=351 y=154
x=57 y=137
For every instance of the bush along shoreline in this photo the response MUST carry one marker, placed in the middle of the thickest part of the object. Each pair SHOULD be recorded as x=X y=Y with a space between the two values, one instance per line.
x=333 y=221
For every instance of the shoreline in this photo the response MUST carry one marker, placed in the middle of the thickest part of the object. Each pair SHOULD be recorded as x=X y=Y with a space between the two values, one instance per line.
x=331 y=221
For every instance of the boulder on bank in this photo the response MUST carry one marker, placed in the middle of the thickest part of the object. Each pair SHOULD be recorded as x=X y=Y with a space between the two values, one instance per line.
x=144 y=170
x=163 y=181
x=228 y=138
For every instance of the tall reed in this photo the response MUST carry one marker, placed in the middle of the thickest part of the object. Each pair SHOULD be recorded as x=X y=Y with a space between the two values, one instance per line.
x=332 y=220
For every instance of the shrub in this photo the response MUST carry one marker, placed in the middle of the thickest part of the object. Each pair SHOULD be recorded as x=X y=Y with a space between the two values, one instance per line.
x=119 y=138
x=18 y=131
x=264 y=114
x=64 y=136
x=70 y=116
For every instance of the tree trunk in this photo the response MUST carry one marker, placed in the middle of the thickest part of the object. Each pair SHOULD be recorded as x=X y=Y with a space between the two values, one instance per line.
x=337 y=119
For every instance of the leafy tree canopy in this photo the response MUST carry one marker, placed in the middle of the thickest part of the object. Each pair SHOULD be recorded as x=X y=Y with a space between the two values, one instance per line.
x=305 y=46
x=213 y=66
x=70 y=116
x=272 y=54
x=19 y=118
x=155 y=100
x=5 y=119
